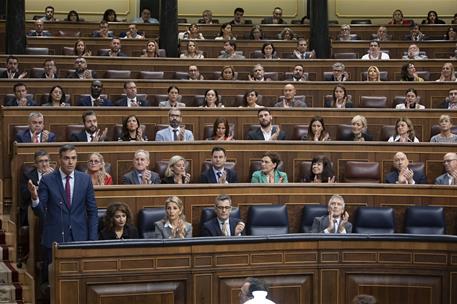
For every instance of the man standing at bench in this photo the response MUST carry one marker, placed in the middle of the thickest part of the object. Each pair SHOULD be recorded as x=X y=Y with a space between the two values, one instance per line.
x=337 y=220
x=223 y=224
x=65 y=203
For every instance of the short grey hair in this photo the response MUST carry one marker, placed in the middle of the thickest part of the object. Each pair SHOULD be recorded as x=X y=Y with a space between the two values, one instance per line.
x=35 y=115
x=223 y=197
x=337 y=65
x=338 y=198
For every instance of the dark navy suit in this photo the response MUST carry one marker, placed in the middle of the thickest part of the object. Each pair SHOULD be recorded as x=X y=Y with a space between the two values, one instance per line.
x=212 y=227
x=258 y=135
x=208 y=177
x=85 y=101
x=418 y=177
x=25 y=137
x=122 y=102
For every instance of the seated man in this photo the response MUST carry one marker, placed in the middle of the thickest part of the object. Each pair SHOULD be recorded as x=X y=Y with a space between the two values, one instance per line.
x=381 y=34
x=49 y=14
x=223 y=224
x=276 y=18
x=91 y=132
x=95 y=99
x=415 y=33
x=131 y=99
x=81 y=70
x=38 y=30
x=132 y=33
x=115 y=49
x=374 y=52
x=50 y=69
x=301 y=51
x=36 y=132
x=337 y=220
x=238 y=17
x=20 y=97
x=141 y=174
x=339 y=72
x=258 y=74
x=289 y=100
x=194 y=73
x=12 y=69
x=266 y=131
x=401 y=174
x=414 y=53
x=450 y=102
x=450 y=165
x=230 y=51
x=146 y=17
x=217 y=173
x=254 y=291
x=103 y=31
x=175 y=131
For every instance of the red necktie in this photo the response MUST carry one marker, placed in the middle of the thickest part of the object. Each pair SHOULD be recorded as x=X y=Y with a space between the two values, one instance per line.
x=68 y=191
x=35 y=138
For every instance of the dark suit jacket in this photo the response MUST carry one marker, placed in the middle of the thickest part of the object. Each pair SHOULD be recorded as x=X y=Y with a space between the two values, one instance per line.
x=130 y=232
x=86 y=102
x=269 y=20
x=444 y=104
x=365 y=136
x=13 y=103
x=25 y=137
x=328 y=104
x=320 y=223
x=392 y=177
x=76 y=76
x=122 y=102
x=208 y=177
x=258 y=135
x=4 y=74
x=60 y=222
x=131 y=178
x=42 y=34
x=79 y=137
x=25 y=194
x=212 y=227
x=120 y=54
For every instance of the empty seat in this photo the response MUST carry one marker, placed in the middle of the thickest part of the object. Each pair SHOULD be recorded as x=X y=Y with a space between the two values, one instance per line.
x=304 y=171
x=118 y=74
x=361 y=172
x=267 y=220
x=103 y=52
x=299 y=132
x=425 y=220
x=37 y=51
x=374 y=220
x=151 y=75
x=343 y=131
x=36 y=72
x=146 y=219
x=347 y=55
x=384 y=75
x=424 y=75
x=386 y=132
x=272 y=75
x=181 y=75
x=256 y=54
x=72 y=129
x=373 y=102
x=309 y=213
x=361 y=21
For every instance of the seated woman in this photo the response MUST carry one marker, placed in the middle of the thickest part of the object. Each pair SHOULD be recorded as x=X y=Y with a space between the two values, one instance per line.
x=340 y=99
x=408 y=73
x=212 y=99
x=117 y=223
x=80 y=49
x=447 y=72
x=411 y=101
x=316 y=130
x=345 y=33
x=96 y=170
x=373 y=74
x=445 y=135
x=174 y=225
x=269 y=51
x=73 y=16
x=192 y=51
x=269 y=173
x=207 y=17
x=131 y=129
x=176 y=171
x=193 y=32
x=225 y=32
x=56 y=98
x=221 y=130
x=359 y=130
x=250 y=99
x=321 y=171
x=404 y=131
x=432 y=18
x=398 y=19
x=287 y=34
x=256 y=33
x=110 y=16
x=451 y=34
x=227 y=73
x=151 y=50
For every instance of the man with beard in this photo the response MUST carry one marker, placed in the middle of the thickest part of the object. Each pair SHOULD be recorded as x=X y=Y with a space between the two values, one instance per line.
x=298 y=73
x=94 y=99
x=414 y=53
x=12 y=69
x=115 y=49
x=175 y=131
x=91 y=132
x=81 y=71
x=266 y=131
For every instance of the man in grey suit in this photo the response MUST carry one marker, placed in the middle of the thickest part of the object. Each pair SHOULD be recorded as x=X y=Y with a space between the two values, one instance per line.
x=450 y=165
x=141 y=174
x=175 y=131
x=337 y=220
x=289 y=100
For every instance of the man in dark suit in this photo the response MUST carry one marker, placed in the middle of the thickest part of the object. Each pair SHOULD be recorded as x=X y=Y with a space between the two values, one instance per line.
x=20 y=97
x=131 y=99
x=65 y=203
x=81 y=71
x=451 y=101
x=36 y=132
x=222 y=224
x=266 y=131
x=276 y=18
x=40 y=168
x=217 y=173
x=141 y=174
x=401 y=174
x=39 y=30
x=115 y=49
x=91 y=132
x=95 y=99
x=12 y=69
x=337 y=220
x=50 y=69
x=450 y=165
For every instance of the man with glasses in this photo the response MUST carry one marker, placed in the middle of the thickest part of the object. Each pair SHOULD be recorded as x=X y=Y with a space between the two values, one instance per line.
x=223 y=224
x=81 y=71
x=374 y=52
x=141 y=174
x=175 y=131
x=401 y=174
x=450 y=165
x=339 y=73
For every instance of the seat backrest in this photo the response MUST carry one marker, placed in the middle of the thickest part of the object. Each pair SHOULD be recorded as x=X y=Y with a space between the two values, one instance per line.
x=272 y=75
x=374 y=220
x=146 y=219
x=361 y=21
x=299 y=132
x=373 y=102
x=67 y=33
x=361 y=172
x=304 y=171
x=103 y=52
x=118 y=74
x=101 y=212
x=424 y=75
x=256 y=54
x=386 y=132
x=72 y=129
x=37 y=51
x=181 y=75
x=343 y=131
x=425 y=220
x=162 y=53
x=68 y=50
x=309 y=213
x=36 y=72
x=348 y=55
x=267 y=220
x=151 y=75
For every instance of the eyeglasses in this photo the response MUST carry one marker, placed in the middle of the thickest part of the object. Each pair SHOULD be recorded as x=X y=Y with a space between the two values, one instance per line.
x=92 y=161
x=448 y=160
x=221 y=208
x=42 y=161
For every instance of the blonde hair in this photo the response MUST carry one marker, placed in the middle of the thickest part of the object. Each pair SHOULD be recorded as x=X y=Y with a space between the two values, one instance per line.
x=362 y=119
x=178 y=230
x=171 y=163
x=373 y=67
x=101 y=174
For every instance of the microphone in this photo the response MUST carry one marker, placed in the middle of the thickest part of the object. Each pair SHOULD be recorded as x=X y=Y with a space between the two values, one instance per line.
x=61 y=222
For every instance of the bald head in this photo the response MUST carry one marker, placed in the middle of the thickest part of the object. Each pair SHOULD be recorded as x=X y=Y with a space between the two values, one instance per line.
x=400 y=161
